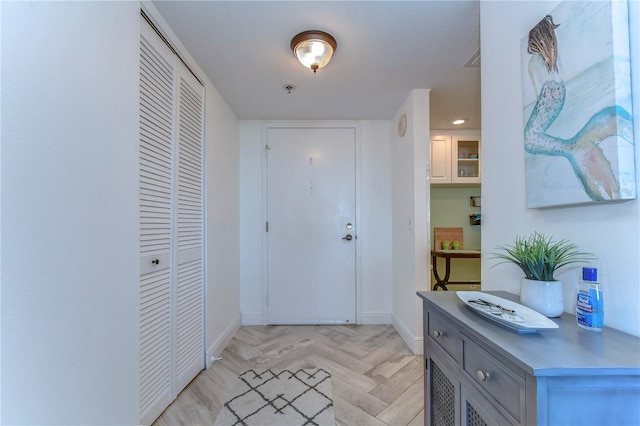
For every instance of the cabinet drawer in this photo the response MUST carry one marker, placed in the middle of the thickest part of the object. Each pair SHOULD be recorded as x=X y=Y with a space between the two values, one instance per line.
x=500 y=383
x=443 y=333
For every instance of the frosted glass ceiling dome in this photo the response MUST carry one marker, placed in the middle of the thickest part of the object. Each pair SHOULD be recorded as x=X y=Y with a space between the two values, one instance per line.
x=313 y=48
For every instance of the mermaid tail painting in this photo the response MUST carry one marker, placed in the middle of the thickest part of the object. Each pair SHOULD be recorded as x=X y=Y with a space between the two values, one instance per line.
x=583 y=150
x=596 y=146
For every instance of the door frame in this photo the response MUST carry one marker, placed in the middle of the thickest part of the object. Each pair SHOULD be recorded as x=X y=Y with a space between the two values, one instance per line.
x=304 y=124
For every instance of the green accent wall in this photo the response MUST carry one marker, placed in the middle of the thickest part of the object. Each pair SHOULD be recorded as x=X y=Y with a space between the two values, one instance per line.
x=451 y=207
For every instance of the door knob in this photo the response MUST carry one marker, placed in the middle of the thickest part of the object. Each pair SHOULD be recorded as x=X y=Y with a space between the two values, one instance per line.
x=347 y=237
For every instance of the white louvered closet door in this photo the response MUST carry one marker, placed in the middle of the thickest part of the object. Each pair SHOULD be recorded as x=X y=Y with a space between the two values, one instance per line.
x=156 y=176
x=189 y=297
x=171 y=226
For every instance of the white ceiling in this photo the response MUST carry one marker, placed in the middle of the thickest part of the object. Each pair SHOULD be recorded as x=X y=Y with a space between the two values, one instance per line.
x=385 y=49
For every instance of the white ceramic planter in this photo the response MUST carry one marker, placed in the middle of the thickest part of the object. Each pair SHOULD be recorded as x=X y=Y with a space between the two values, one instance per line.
x=544 y=297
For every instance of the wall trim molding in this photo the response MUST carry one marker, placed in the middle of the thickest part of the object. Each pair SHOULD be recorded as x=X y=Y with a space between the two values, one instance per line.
x=252 y=319
x=371 y=318
x=415 y=343
x=216 y=348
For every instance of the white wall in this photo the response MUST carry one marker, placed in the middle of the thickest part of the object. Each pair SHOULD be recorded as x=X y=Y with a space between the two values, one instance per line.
x=610 y=230
x=70 y=258
x=70 y=262
x=410 y=213
x=223 y=223
x=251 y=222
x=374 y=232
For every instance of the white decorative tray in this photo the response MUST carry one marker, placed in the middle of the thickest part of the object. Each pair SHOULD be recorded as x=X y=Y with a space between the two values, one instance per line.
x=510 y=314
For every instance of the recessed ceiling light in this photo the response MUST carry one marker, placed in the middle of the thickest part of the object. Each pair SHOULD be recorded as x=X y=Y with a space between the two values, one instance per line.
x=459 y=121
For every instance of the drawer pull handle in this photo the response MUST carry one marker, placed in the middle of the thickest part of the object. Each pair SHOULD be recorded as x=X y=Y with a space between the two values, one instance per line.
x=155 y=261
x=436 y=333
x=483 y=375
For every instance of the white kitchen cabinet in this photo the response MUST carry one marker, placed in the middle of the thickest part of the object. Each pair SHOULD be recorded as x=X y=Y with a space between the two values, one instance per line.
x=441 y=159
x=455 y=158
x=465 y=159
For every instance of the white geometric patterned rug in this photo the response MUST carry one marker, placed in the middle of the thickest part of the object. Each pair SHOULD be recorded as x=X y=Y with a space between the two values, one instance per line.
x=280 y=398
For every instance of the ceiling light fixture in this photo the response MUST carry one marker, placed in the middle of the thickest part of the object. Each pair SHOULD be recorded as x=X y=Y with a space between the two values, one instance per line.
x=313 y=48
x=459 y=121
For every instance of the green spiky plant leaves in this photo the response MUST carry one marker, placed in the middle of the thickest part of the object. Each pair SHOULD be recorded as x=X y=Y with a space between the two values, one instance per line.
x=540 y=257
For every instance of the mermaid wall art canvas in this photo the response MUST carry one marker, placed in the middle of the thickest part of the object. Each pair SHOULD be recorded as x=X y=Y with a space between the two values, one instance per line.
x=576 y=87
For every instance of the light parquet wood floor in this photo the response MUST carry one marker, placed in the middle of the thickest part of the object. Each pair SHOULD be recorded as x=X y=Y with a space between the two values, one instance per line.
x=376 y=378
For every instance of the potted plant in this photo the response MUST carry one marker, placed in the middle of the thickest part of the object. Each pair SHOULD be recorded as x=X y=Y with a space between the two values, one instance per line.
x=540 y=257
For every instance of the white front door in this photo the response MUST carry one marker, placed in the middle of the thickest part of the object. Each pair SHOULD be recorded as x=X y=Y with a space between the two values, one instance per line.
x=311 y=238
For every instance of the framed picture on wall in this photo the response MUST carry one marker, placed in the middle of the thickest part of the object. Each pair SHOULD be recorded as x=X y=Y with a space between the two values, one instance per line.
x=577 y=106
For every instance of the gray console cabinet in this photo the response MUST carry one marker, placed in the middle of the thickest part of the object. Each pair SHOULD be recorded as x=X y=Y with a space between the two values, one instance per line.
x=480 y=373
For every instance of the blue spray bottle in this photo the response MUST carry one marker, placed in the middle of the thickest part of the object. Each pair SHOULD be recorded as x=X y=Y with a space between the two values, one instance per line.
x=589 y=302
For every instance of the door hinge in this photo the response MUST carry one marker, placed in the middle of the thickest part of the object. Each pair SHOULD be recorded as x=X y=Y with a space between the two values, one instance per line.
x=266 y=226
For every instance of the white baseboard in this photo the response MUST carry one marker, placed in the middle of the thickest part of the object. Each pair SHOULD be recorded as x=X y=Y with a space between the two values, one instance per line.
x=216 y=348
x=370 y=318
x=415 y=343
x=366 y=318
x=252 y=319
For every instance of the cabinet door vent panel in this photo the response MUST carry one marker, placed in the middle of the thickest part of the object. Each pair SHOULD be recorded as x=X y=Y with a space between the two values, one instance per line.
x=473 y=417
x=443 y=398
